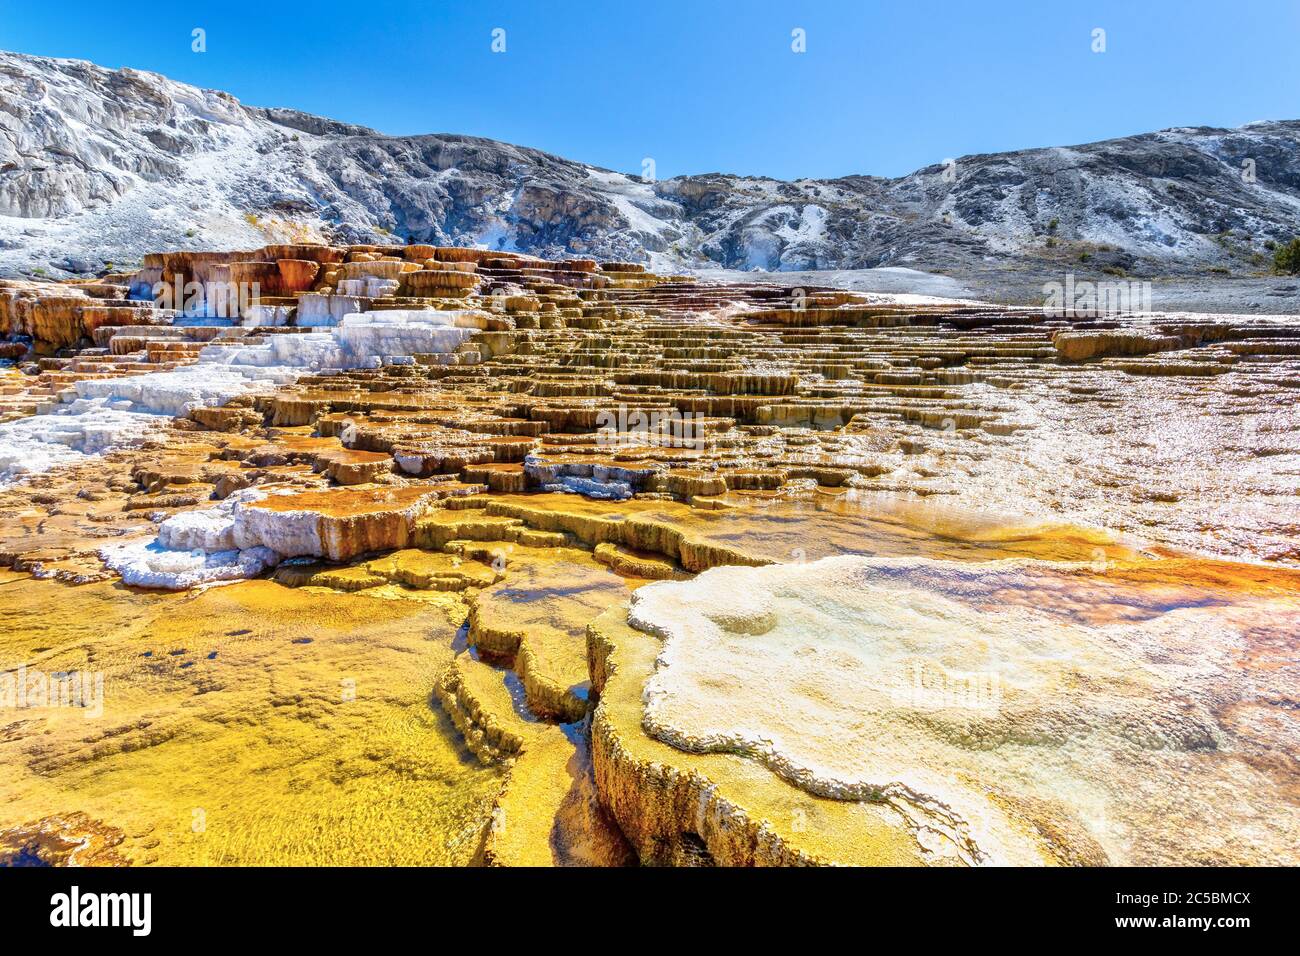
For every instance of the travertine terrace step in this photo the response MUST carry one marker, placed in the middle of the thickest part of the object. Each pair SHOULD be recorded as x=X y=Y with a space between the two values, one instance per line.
x=589 y=428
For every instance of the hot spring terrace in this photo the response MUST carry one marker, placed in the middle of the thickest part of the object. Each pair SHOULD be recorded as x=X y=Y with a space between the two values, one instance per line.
x=675 y=560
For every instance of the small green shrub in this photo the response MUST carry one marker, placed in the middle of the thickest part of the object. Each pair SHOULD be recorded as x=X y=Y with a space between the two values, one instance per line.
x=1286 y=259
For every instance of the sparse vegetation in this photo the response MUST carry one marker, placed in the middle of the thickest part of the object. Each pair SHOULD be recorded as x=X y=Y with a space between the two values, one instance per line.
x=1286 y=259
x=1051 y=226
x=1085 y=256
x=252 y=219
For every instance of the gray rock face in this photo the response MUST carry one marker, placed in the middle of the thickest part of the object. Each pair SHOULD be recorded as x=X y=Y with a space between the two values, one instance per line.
x=99 y=163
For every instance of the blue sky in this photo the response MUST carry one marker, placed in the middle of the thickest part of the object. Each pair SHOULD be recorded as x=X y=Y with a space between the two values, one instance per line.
x=883 y=88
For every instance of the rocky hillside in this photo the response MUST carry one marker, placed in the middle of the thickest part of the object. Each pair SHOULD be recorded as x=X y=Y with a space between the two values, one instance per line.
x=99 y=163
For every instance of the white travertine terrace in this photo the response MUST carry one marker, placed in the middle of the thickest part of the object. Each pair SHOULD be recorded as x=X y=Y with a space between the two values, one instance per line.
x=115 y=412
x=971 y=697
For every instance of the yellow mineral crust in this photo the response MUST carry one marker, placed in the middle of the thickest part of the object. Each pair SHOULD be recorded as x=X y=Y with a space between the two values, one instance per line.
x=248 y=724
x=549 y=813
x=537 y=617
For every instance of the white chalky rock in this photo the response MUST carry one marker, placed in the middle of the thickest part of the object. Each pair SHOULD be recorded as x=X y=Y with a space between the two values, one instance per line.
x=226 y=542
x=32 y=445
x=1095 y=707
x=358 y=340
x=316 y=309
x=117 y=412
x=149 y=565
x=291 y=533
x=233 y=524
x=207 y=529
x=175 y=392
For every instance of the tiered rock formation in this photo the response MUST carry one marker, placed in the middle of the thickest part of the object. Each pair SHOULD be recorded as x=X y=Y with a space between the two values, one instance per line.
x=527 y=443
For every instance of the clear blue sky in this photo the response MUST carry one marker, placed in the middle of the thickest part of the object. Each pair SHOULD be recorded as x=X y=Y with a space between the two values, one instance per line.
x=703 y=86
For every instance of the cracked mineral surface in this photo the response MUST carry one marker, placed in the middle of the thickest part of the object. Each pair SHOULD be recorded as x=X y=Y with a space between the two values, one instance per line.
x=435 y=555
